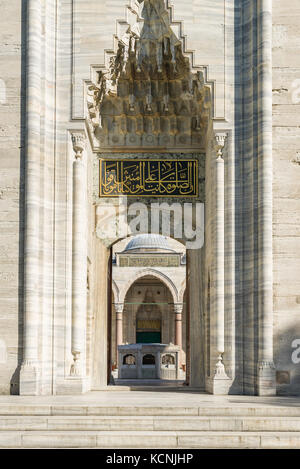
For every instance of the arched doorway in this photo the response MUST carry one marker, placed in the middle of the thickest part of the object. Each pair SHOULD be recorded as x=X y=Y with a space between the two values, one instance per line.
x=148 y=323
x=149 y=307
x=153 y=138
x=109 y=306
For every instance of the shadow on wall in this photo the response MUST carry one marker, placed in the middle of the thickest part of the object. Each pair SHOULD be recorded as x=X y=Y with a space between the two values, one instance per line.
x=287 y=364
x=15 y=380
x=287 y=361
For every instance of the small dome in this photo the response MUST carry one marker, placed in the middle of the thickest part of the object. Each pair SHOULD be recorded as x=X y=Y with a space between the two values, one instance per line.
x=152 y=242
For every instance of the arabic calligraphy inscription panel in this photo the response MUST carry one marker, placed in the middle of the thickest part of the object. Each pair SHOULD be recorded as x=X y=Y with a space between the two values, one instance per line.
x=149 y=178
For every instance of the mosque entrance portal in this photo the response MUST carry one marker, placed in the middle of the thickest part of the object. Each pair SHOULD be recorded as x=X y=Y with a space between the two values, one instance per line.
x=155 y=150
x=149 y=277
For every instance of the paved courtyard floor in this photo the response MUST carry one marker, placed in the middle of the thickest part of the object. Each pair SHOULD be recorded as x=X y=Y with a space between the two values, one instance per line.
x=150 y=398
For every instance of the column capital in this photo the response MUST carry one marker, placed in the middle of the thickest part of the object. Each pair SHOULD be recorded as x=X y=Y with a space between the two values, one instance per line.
x=78 y=142
x=178 y=308
x=220 y=140
x=119 y=307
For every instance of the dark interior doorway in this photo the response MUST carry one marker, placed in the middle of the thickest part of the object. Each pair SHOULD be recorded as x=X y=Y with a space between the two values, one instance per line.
x=148 y=337
x=148 y=312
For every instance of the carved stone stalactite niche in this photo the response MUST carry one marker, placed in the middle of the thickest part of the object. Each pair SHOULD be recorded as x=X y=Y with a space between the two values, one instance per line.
x=149 y=96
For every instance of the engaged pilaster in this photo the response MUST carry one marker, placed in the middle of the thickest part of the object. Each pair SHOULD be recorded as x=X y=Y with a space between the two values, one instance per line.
x=266 y=382
x=29 y=372
x=79 y=257
x=220 y=382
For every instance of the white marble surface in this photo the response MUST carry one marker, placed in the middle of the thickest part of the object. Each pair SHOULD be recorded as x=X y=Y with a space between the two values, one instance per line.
x=204 y=26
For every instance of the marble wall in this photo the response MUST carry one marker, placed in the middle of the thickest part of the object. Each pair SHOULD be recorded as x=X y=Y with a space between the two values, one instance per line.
x=213 y=29
x=286 y=188
x=11 y=187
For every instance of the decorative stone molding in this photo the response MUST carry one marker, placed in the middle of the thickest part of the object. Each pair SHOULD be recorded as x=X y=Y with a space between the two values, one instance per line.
x=149 y=96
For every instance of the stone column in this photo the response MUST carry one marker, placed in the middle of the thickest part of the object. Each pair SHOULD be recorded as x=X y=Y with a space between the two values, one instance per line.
x=178 y=308
x=220 y=245
x=119 y=307
x=220 y=381
x=29 y=369
x=158 y=364
x=79 y=256
x=266 y=384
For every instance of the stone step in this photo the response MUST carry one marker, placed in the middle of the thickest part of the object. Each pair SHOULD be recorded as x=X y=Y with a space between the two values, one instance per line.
x=149 y=424
x=151 y=385
x=164 y=410
x=158 y=439
x=94 y=426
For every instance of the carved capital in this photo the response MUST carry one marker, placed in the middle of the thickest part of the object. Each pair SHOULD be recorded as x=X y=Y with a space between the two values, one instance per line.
x=220 y=140
x=119 y=307
x=79 y=142
x=178 y=308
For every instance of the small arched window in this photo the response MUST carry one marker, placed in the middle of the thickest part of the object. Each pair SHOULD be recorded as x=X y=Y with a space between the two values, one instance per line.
x=168 y=359
x=149 y=359
x=129 y=360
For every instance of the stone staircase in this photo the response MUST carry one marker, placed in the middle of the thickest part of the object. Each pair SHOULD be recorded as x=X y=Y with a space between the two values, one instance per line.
x=150 y=385
x=91 y=426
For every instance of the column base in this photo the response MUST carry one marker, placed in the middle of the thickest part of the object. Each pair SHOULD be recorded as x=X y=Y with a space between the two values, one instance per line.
x=220 y=383
x=29 y=379
x=266 y=379
x=219 y=386
x=73 y=386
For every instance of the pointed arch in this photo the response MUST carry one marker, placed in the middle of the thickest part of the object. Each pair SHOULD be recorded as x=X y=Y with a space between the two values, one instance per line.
x=115 y=290
x=182 y=291
x=153 y=273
